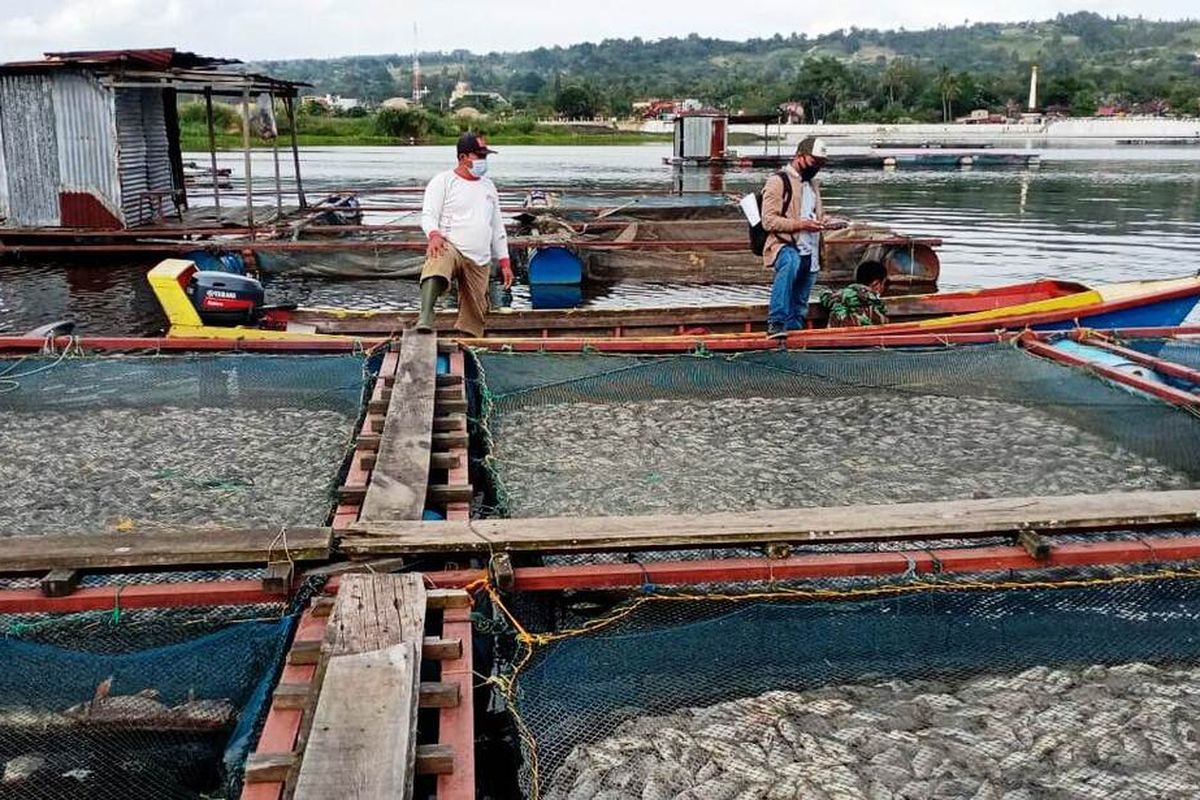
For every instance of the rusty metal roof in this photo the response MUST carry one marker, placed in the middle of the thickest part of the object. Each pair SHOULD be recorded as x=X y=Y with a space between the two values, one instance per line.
x=164 y=66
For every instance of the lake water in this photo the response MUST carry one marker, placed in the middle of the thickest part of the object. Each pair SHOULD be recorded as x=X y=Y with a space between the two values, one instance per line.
x=1089 y=214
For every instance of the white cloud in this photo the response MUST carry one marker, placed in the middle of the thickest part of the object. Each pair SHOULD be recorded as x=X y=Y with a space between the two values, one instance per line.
x=262 y=29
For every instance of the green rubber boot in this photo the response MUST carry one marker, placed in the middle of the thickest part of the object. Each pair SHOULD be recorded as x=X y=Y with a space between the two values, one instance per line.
x=431 y=289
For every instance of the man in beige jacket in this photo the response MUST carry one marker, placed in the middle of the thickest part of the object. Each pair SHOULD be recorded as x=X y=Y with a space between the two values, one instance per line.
x=793 y=247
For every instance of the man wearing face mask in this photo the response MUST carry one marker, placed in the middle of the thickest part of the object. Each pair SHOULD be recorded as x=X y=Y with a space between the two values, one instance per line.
x=461 y=218
x=793 y=246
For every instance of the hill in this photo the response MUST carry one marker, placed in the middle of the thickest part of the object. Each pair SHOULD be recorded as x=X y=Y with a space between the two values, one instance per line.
x=856 y=74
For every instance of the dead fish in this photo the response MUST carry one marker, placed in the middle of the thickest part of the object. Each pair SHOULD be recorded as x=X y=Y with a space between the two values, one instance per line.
x=21 y=768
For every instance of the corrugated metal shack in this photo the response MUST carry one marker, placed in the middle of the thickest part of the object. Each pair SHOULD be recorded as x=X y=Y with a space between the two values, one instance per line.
x=90 y=140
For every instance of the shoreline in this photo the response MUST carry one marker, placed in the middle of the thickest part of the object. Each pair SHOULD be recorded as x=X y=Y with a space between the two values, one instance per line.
x=232 y=142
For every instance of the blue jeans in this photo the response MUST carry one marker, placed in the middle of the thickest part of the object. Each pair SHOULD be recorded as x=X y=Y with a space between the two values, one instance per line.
x=790 y=290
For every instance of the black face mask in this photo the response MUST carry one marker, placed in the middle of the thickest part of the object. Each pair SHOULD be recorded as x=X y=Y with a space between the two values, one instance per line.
x=810 y=172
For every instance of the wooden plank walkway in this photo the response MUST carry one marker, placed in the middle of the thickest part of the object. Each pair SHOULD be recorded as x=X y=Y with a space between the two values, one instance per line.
x=166 y=548
x=363 y=740
x=400 y=474
x=958 y=518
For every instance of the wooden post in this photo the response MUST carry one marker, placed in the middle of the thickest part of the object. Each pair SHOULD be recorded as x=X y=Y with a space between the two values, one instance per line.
x=275 y=155
x=246 y=160
x=212 y=150
x=290 y=104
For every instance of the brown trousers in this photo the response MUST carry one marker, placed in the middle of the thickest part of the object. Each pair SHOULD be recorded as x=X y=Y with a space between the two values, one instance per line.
x=472 y=280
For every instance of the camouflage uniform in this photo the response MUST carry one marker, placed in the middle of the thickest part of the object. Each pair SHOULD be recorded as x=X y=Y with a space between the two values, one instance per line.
x=853 y=306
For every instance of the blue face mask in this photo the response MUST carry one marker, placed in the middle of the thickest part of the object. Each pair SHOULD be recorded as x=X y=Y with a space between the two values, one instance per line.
x=479 y=167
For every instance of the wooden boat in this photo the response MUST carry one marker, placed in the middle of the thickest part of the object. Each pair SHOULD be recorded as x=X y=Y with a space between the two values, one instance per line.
x=1037 y=305
x=715 y=251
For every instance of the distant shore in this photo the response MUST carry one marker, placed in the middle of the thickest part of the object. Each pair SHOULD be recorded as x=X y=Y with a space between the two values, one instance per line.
x=192 y=141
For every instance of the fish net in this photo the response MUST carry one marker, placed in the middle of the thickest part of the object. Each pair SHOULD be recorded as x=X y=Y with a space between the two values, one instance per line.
x=1051 y=684
x=591 y=434
x=1180 y=350
x=147 y=703
x=92 y=444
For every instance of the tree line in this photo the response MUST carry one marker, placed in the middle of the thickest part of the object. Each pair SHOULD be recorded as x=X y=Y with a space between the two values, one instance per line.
x=1086 y=61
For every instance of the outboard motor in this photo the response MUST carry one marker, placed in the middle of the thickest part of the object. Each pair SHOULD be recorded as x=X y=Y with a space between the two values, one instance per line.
x=222 y=298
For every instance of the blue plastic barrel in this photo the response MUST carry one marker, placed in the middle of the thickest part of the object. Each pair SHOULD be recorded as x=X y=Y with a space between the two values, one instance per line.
x=550 y=295
x=554 y=265
x=211 y=262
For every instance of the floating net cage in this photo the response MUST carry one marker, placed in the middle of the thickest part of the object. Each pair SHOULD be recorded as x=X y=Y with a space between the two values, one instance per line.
x=592 y=434
x=91 y=444
x=140 y=703
x=1050 y=684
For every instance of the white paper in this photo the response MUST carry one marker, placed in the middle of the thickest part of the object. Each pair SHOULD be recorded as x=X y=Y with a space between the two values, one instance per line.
x=749 y=205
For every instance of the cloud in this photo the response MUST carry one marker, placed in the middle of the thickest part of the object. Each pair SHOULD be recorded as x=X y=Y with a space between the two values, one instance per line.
x=265 y=29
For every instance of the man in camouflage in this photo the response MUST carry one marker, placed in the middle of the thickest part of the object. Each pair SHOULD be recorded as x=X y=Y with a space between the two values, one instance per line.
x=859 y=303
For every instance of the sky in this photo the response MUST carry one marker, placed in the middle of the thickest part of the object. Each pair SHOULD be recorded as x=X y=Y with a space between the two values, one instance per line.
x=278 y=29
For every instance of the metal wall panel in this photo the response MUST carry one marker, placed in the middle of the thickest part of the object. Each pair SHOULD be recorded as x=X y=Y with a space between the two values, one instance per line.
x=697 y=137
x=30 y=149
x=158 y=148
x=86 y=138
x=145 y=161
x=3 y=176
x=131 y=161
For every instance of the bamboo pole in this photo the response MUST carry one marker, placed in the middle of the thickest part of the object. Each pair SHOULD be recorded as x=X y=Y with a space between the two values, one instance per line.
x=275 y=156
x=212 y=150
x=246 y=160
x=290 y=105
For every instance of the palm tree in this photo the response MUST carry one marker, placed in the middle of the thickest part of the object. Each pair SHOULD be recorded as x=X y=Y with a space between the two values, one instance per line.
x=948 y=85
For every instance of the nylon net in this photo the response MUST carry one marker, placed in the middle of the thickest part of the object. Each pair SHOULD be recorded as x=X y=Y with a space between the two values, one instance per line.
x=1057 y=684
x=1181 y=351
x=154 y=703
x=590 y=434
x=91 y=444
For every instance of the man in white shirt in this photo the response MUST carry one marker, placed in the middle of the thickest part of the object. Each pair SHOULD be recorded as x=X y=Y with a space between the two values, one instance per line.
x=461 y=218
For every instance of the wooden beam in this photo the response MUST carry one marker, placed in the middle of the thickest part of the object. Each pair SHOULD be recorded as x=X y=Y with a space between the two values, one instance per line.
x=364 y=731
x=398 y=481
x=446 y=493
x=433 y=694
x=363 y=736
x=435 y=759
x=166 y=548
x=957 y=518
x=292 y=695
x=437 y=649
x=269 y=768
x=376 y=611
x=277 y=577
x=304 y=652
x=447 y=598
x=60 y=582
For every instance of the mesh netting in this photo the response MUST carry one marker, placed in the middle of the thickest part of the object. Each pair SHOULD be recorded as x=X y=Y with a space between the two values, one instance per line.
x=134 y=704
x=1056 y=686
x=593 y=434
x=1181 y=351
x=236 y=440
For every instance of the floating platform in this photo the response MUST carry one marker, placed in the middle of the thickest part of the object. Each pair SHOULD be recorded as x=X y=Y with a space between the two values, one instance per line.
x=926 y=160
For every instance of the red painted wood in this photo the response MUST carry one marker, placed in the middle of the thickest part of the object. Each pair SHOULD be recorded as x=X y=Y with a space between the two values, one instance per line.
x=161 y=595
x=1166 y=393
x=456 y=725
x=84 y=210
x=828 y=565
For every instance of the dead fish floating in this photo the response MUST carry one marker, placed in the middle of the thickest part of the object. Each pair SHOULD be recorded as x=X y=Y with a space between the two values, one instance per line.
x=145 y=711
x=1124 y=732
x=141 y=710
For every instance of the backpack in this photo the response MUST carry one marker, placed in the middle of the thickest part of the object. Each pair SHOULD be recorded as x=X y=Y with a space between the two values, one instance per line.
x=758 y=234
